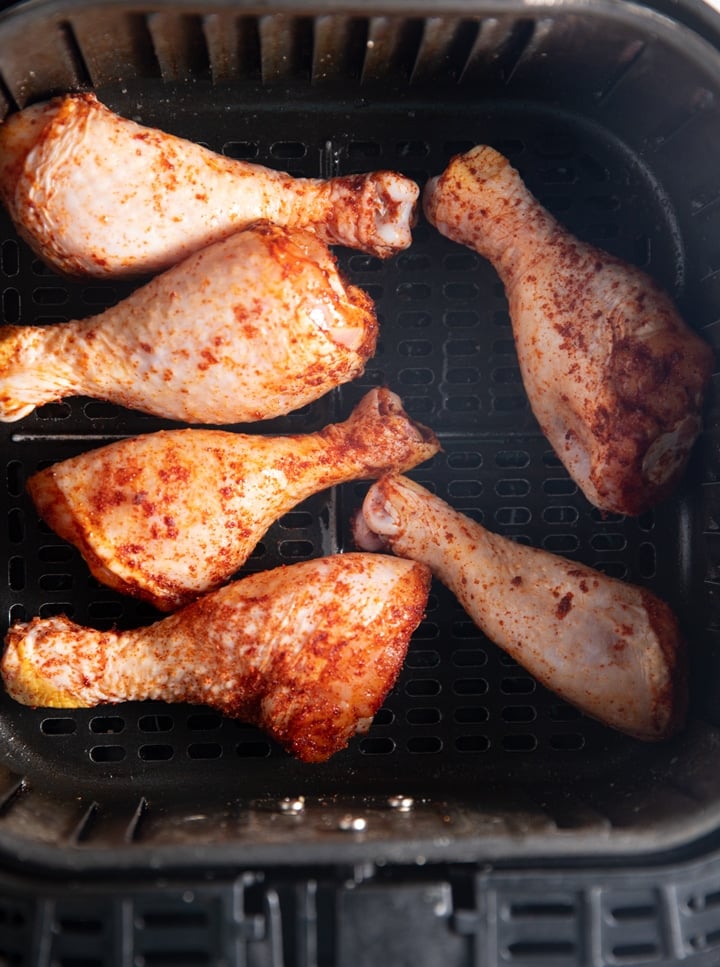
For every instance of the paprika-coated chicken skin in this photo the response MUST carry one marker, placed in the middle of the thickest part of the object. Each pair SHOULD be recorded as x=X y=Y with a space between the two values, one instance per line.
x=608 y=647
x=252 y=327
x=97 y=194
x=614 y=376
x=307 y=652
x=170 y=515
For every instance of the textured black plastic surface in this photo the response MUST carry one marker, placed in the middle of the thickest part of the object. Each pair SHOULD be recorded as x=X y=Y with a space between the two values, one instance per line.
x=446 y=348
x=495 y=765
x=349 y=917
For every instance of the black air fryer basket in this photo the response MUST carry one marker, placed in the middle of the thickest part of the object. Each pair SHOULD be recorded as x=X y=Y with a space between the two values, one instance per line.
x=481 y=820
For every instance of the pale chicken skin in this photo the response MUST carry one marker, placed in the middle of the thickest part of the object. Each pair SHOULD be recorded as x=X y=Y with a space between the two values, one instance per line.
x=614 y=376
x=610 y=648
x=170 y=515
x=307 y=652
x=83 y=185
x=252 y=327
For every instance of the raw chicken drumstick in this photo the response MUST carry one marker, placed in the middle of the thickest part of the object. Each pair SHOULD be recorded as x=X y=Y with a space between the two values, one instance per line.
x=249 y=328
x=307 y=652
x=607 y=647
x=170 y=515
x=613 y=375
x=96 y=194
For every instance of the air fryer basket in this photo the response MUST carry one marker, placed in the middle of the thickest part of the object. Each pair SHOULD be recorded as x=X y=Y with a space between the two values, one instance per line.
x=610 y=111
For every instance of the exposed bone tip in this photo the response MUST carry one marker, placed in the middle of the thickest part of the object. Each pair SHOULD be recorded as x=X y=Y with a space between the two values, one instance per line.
x=379 y=519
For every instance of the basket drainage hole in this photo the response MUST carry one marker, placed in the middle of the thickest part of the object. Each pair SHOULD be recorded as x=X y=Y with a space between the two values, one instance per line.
x=107 y=753
x=423 y=716
x=564 y=713
x=464 y=460
x=50 y=295
x=464 y=629
x=364 y=263
x=422 y=688
x=461 y=318
x=97 y=410
x=471 y=715
x=295 y=549
x=288 y=149
x=377 y=746
x=427 y=657
x=204 y=750
x=567 y=742
x=519 y=713
x=55 y=553
x=425 y=745
x=512 y=459
x=54 y=411
x=461 y=262
x=107 y=724
x=16 y=573
x=561 y=514
x=241 y=149
x=519 y=743
x=253 y=749
x=559 y=487
x=296 y=519
x=156 y=753
x=58 y=726
x=16 y=525
x=470 y=686
x=521 y=685
x=472 y=743
x=465 y=488
x=10 y=257
x=15 y=477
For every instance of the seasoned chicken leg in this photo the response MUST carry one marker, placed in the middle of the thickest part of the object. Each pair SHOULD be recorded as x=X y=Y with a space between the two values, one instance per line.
x=97 y=194
x=608 y=647
x=614 y=376
x=249 y=328
x=306 y=652
x=170 y=515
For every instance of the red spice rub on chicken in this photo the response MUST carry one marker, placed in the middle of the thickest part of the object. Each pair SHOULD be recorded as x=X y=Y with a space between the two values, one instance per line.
x=307 y=652
x=168 y=516
x=609 y=647
x=83 y=184
x=614 y=376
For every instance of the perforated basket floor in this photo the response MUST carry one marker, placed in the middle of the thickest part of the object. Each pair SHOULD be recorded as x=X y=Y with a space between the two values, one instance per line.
x=446 y=347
